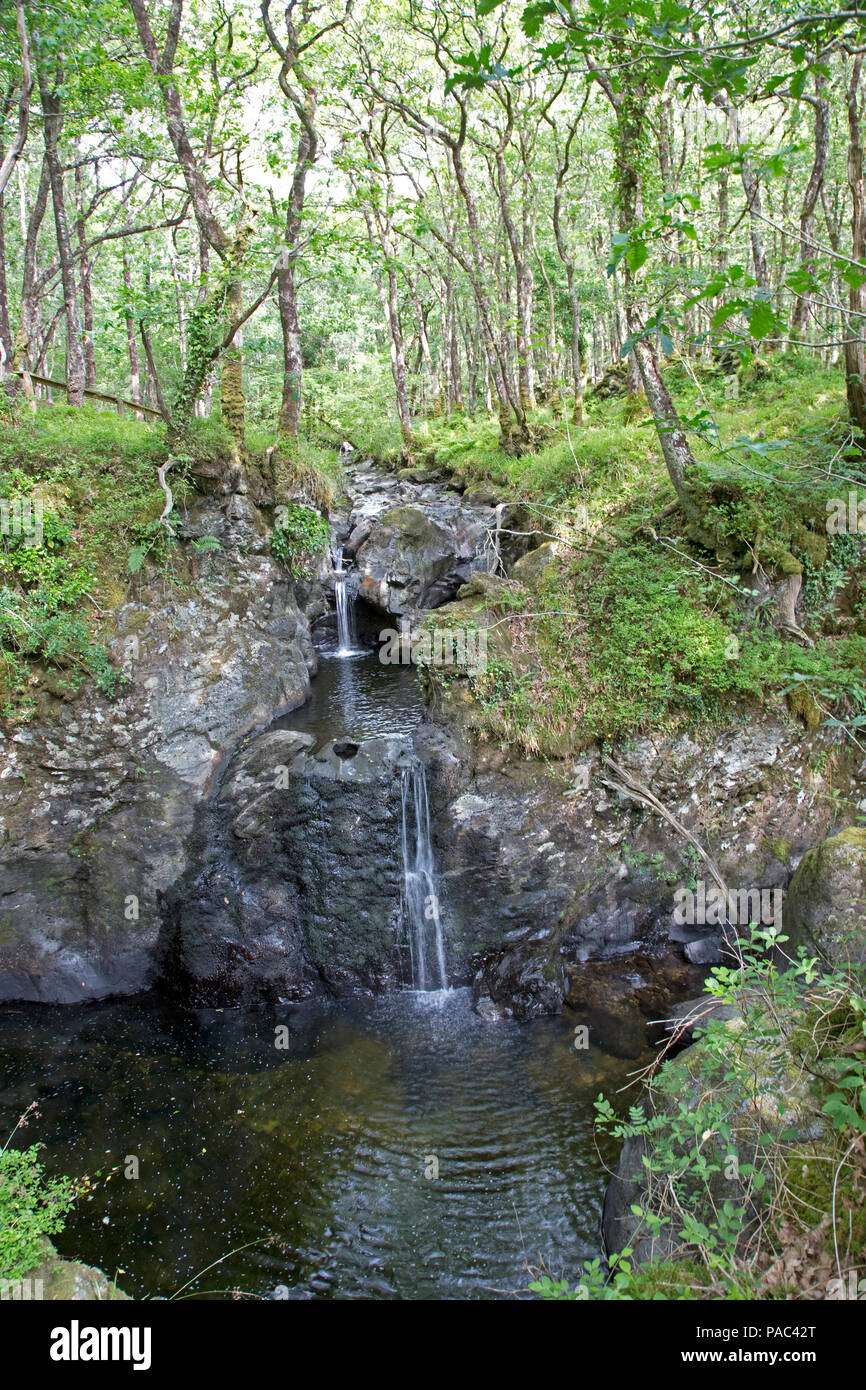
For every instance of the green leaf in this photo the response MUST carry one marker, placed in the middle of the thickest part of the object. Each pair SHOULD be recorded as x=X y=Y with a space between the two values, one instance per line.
x=762 y=319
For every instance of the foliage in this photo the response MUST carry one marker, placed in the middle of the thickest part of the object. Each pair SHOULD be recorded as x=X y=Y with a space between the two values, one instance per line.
x=729 y=1125
x=300 y=536
x=32 y=1206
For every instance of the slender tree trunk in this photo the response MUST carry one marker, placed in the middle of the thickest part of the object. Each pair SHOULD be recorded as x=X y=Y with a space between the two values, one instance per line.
x=855 y=349
x=752 y=189
x=28 y=314
x=510 y=408
x=293 y=366
x=800 y=315
x=7 y=347
x=287 y=296
x=454 y=374
x=386 y=285
x=52 y=122
x=522 y=284
x=630 y=109
x=232 y=399
x=423 y=338
x=135 y=380
x=85 y=280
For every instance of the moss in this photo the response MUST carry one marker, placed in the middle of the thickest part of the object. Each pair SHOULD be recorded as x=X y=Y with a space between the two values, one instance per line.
x=789 y=564
x=811 y=1186
x=780 y=849
x=802 y=706
x=811 y=545
x=670 y=1279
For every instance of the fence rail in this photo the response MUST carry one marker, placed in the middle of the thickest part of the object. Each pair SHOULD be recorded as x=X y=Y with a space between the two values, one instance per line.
x=119 y=401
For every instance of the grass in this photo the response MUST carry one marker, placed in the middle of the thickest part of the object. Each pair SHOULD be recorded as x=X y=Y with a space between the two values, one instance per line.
x=632 y=626
x=94 y=474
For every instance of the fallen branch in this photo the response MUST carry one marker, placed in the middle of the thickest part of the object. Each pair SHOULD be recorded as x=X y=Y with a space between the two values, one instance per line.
x=629 y=785
x=169 y=498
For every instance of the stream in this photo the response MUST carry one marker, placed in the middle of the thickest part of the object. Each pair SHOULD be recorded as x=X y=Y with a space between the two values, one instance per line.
x=398 y=1147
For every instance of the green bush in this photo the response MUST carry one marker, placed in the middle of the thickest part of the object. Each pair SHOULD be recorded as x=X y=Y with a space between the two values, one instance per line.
x=299 y=537
x=31 y=1206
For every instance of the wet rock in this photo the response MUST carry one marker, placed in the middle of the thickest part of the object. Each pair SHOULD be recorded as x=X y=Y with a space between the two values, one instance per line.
x=526 y=981
x=297 y=881
x=405 y=558
x=98 y=797
x=825 y=906
x=622 y=1000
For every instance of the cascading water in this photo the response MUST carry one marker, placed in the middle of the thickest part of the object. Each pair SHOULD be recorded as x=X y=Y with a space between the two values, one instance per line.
x=420 y=898
x=345 y=619
x=344 y=604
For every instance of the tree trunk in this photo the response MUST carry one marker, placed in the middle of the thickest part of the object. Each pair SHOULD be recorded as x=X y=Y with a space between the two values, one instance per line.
x=510 y=409
x=752 y=189
x=293 y=366
x=52 y=122
x=800 y=315
x=630 y=108
x=232 y=400
x=131 y=339
x=7 y=347
x=85 y=281
x=855 y=350
x=30 y=228
x=454 y=374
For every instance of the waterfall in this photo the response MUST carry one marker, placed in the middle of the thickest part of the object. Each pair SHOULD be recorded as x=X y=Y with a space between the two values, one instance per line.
x=345 y=618
x=420 y=897
x=345 y=605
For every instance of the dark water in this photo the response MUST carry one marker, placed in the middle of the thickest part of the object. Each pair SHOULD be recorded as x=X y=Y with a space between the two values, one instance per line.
x=319 y=1158
x=317 y=1153
x=357 y=697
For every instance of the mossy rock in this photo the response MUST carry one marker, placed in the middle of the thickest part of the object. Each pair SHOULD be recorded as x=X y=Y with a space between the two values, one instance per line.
x=531 y=568
x=803 y=707
x=57 y=1279
x=825 y=908
x=810 y=544
x=789 y=564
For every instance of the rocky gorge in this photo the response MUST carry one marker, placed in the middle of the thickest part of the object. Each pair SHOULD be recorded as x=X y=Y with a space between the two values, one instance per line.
x=150 y=838
x=223 y=836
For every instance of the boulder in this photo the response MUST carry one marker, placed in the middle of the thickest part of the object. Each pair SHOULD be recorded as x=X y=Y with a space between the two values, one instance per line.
x=825 y=908
x=56 y=1278
x=532 y=567
x=410 y=562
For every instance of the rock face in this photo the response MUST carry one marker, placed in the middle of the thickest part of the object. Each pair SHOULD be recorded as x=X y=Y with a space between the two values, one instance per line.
x=154 y=833
x=408 y=561
x=826 y=903
x=414 y=542
x=97 y=806
x=296 y=885
x=544 y=868
x=550 y=893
